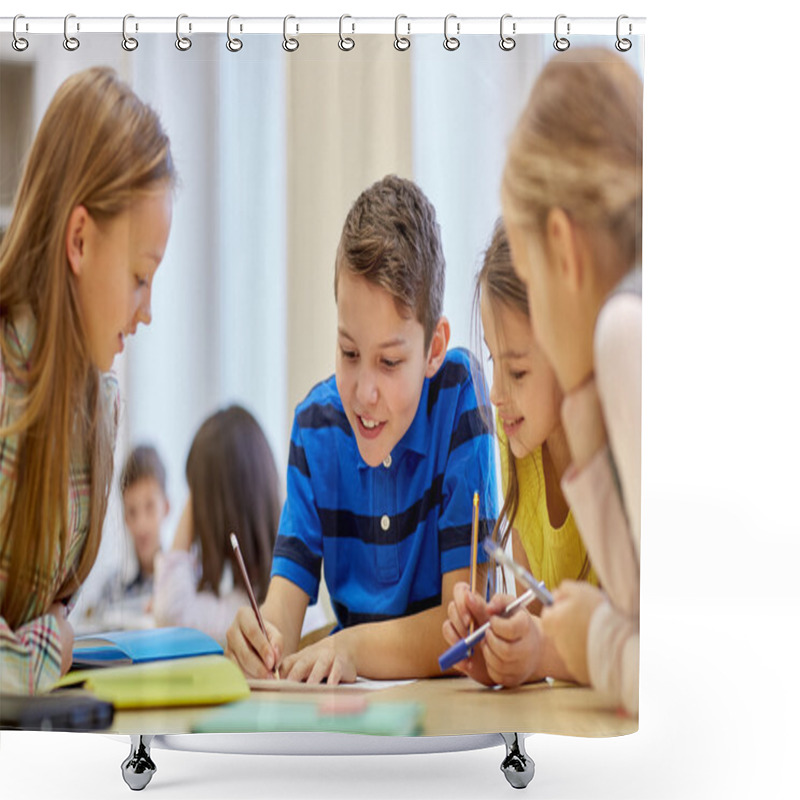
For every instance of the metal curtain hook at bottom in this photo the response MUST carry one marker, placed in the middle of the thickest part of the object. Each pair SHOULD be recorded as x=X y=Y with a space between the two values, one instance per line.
x=19 y=43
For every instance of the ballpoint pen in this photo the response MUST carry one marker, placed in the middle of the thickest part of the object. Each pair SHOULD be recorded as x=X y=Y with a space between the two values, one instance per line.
x=462 y=649
x=501 y=557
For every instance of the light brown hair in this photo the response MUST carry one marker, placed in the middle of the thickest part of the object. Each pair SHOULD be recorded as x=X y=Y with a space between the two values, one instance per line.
x=578 y=146
x=234 y=485
x=143 y=462
x=498 y=282
x=99 y=146
x=391 y=238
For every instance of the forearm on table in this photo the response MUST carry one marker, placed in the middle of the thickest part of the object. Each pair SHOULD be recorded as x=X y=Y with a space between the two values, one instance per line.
x=285 y=608
x=550 y=665
x=407 y=647
x=613 y=655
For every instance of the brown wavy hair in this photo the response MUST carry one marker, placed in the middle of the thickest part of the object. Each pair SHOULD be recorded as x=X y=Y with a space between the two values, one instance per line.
x=99 y=146
x=234 y=487
x=391 y=238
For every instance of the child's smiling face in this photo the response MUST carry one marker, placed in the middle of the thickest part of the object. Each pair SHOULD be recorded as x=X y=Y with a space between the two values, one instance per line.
x=381 y=364
x=524 y=387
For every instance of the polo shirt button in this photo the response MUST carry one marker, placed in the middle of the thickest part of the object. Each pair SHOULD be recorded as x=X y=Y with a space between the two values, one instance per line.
x=387 y=462
x=385 y=522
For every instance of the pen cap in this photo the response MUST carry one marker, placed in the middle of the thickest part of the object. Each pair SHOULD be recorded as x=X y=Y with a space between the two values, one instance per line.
x=458 y=652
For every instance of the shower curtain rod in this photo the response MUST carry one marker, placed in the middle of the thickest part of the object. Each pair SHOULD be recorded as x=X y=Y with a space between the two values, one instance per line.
x=298 y=25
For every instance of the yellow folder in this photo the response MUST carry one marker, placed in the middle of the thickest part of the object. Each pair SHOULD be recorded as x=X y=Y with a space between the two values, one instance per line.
x=202 y=680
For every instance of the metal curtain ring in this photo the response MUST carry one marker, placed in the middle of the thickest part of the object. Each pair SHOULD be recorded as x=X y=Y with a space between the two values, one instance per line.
x=70 y=42
x=345 y=42
x=183 y=43
x=451 y=42
x=129 y=43
x=507 y=42
x=623 y=45
x=18 y=43
x=290 y=44
x=401 y=42
x=561 y=43
x=234 y=45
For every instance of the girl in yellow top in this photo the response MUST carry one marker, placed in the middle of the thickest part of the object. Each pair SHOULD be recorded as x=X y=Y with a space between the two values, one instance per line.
x=533 y=457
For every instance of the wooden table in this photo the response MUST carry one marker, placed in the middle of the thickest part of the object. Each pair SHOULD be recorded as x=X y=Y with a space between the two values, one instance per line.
x=452 y=706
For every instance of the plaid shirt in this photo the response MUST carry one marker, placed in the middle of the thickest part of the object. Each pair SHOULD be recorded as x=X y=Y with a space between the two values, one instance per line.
x=30 y=656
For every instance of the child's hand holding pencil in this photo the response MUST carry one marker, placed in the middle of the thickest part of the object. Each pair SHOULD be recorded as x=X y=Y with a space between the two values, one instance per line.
x=465 y=612
x=263 y=639
x=510 y=650
x=257 y=652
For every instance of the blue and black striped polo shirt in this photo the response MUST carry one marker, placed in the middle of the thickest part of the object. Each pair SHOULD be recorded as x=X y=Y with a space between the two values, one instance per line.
x=385 y=535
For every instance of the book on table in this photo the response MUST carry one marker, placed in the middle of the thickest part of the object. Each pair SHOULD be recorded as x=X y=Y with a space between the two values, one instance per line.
x=140 y=646
x=198 y=680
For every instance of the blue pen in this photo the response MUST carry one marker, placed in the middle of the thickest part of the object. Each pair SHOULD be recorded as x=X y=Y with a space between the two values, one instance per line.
x=501 y=557
x=461 y=650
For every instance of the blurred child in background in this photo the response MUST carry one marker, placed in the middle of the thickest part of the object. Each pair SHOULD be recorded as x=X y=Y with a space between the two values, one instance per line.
x=125 y=601
x=233 y=487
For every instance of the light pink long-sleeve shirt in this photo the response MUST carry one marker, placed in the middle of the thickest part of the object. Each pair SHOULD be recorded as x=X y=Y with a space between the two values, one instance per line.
x=611 y=525
x=176 y=600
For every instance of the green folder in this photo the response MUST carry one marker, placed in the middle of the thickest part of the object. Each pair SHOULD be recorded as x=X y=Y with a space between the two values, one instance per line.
x=201 y=680
x=258 y=716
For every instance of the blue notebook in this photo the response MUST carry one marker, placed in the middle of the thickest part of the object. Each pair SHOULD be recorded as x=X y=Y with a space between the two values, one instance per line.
x=136 y=647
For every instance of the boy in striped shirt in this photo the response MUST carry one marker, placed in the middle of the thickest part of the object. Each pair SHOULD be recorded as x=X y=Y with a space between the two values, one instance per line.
x=385 y=456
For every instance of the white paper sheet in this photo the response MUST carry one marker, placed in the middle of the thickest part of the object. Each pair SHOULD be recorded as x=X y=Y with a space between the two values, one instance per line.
x=361 y=684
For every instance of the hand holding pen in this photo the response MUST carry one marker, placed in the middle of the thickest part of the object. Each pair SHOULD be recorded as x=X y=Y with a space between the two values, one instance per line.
x=253 y=603
x=462 y=649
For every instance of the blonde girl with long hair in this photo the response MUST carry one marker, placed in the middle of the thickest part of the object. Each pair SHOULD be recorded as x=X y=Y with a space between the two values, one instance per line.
x=572 y=205
x=533 y=457
x=90 y=224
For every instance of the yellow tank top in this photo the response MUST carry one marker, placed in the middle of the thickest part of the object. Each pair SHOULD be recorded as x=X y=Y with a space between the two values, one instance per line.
x=554 y=554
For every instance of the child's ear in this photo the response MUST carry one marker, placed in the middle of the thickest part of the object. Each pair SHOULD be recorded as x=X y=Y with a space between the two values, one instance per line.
x=438 y=348
x=562 y=248
x=76 y=238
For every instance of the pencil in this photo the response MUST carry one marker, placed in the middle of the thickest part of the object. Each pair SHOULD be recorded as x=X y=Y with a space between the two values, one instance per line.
x=248 y=586
x=473 y=567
